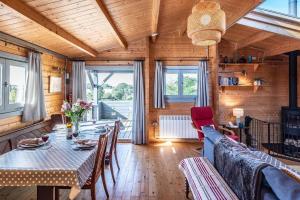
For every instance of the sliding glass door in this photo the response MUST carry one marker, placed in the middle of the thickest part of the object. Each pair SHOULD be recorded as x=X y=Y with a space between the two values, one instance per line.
x=111 y=91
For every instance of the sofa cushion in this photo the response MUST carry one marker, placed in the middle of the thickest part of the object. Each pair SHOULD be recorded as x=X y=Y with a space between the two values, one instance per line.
x=268 y=194
x=282 y=185
x=212 y=134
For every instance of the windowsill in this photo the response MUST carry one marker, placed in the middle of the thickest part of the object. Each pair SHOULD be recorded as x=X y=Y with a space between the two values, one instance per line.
x=11 y=114
x=180 y=100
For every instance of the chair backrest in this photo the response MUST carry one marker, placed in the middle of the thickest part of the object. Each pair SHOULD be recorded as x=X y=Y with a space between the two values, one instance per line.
x=58 y=119
x=202 y=116
x=114 y=140
x=100 y=156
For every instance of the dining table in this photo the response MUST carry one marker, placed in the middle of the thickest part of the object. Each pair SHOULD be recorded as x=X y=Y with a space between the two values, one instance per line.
x=57 y=163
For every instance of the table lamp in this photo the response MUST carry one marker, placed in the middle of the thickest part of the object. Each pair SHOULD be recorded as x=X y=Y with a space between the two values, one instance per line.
x=238 y=113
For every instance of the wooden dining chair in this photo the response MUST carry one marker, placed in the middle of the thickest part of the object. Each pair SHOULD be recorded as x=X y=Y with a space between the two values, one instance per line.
x=98 y=170
x=113 y=149
x=58 y=119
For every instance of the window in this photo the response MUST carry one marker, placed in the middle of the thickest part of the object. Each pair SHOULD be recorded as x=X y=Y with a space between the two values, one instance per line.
x=12 y=88
x=181 y=84
x=281 y=6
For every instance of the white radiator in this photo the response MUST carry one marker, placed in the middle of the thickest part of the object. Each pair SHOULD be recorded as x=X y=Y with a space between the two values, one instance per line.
x=176 y=127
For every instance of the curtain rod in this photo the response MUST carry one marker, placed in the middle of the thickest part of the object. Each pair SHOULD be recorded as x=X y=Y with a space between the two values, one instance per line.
x=182 y=59
x=108 y=60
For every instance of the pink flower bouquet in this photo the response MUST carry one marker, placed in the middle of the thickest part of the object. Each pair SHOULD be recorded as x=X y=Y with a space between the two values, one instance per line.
x=76 y=111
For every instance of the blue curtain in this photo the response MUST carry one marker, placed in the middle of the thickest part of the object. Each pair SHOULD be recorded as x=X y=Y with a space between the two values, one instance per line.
x=159 y=100
x=78 y=81
x=34 y=108
x=203 y=92
x=138 y=124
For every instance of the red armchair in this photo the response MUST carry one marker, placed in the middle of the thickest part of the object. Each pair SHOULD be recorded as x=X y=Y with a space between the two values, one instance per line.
x=203 y=116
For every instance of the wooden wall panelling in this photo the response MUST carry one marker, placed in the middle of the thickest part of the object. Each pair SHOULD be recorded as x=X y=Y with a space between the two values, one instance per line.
x=266 y=103
x=175 y=50
x=53 y=101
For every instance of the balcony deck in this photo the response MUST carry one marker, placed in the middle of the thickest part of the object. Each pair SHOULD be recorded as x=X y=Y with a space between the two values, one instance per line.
x=126 y=127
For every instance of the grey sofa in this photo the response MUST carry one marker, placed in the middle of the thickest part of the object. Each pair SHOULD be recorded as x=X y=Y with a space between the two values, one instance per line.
x=273 y=185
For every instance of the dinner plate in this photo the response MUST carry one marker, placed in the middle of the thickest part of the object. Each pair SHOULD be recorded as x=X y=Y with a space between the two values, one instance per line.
x=33 y=145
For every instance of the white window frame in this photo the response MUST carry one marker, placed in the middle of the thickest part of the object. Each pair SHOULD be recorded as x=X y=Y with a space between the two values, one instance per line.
x=6 y=60
x=180 y=70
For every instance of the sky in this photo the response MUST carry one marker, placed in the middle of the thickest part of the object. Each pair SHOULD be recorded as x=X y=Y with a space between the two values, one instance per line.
x=277 y=5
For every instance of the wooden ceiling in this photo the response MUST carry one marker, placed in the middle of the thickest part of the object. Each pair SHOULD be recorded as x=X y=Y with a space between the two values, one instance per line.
x=77 y=28
x=272 y=41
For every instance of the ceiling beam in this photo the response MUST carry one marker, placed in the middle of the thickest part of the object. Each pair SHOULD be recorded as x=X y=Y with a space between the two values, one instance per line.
x=281 y=49
x=155 y=17
x=253 y=39
x=112 y=24
x=272 y=22
x=29 y=13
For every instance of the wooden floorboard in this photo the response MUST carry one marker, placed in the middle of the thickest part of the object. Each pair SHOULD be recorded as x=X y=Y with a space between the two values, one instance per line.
x=147 y=172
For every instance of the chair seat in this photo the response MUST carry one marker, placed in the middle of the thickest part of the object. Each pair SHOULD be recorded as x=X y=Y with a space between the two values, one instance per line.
x=88 y=183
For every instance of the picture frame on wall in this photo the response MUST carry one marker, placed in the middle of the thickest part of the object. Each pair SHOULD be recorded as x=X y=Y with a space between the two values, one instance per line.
x=55 y=85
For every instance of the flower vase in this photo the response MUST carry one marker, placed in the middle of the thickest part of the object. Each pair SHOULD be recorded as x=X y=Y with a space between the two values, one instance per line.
x=75 y=128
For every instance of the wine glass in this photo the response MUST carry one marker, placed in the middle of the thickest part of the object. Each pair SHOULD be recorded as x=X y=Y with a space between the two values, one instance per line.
x=45 y=138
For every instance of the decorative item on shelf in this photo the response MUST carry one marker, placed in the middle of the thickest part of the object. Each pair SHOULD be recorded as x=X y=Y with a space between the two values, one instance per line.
x=254 y=59
x=76 y=113
x=242 y=59
x=244 y=72
x=228 y=81
x=206 y=24
x=258 y=82
x=225 y=59
x=250 y=59
x=235 y=57
x=238 y=113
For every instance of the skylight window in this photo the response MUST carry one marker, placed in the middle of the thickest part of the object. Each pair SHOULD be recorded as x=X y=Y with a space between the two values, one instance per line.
x=279 y=6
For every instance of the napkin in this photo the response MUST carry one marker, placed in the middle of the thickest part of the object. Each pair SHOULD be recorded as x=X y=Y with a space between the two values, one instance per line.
x=86 y=142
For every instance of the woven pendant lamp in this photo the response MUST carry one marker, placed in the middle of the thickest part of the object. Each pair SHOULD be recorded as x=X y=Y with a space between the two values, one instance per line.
x=206 y=24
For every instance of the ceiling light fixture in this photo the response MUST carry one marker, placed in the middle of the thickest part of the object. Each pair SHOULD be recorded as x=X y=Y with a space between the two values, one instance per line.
x=206 y=24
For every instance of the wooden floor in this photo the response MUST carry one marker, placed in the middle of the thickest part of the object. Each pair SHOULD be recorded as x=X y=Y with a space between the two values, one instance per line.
x=147 y=172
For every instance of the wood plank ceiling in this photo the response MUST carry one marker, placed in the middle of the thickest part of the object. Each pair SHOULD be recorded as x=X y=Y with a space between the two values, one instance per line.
x=270 y=43
x=78 y=28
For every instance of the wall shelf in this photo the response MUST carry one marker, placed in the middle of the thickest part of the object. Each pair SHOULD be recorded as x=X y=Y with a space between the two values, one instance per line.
x=255 y=87
x=254 y=65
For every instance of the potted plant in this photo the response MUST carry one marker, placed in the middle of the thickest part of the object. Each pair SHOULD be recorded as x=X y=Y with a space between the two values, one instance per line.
x=75 y=112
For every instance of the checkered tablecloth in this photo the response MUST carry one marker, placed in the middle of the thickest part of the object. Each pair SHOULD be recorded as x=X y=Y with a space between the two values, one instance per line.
x=56 y=164
x=204 y=180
